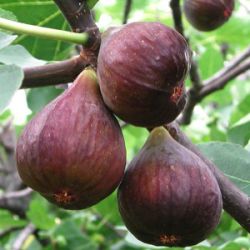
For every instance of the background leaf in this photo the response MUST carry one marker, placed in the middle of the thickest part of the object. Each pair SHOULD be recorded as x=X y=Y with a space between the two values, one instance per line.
x=18 y=55
x=46 y=14
x=6 y=39
x=232 y=159
x=37 y=98
x=240 y=132
x=10 y=81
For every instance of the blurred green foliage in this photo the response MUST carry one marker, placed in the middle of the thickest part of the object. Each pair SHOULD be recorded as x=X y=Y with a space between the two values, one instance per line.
x=219 y=119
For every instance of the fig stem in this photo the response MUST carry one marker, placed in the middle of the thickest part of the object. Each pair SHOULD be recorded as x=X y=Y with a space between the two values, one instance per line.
x=235 y=202
x=54 y=73
x=127 y=10
x=48 y=33
x=80 y=18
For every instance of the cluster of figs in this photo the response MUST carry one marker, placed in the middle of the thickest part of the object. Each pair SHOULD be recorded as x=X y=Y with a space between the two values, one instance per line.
x=73 y=152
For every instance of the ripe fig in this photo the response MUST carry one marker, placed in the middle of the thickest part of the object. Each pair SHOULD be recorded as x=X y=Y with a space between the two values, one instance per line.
x=168 y=196
x=141 y=70
x=207 y=15
x=73 y=151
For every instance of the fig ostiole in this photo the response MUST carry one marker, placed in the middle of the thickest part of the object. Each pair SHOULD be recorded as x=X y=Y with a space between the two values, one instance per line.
x=168 y=196
x=140 y=67
x=208 y=15
x=73 y=151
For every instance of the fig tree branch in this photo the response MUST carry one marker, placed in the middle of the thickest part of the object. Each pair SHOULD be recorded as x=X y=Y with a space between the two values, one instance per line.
x=25 y=233
x=177 y=15
x=222 y=81
x=16 y=195
x=178 y=24
x=47 y=33
x=230 y=65
x=235 y=202
x=213 y=85
x=53 y=74
x=80 y=19
x=127 y=9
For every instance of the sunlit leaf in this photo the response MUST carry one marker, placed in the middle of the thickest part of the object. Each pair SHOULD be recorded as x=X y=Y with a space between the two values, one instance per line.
x=10 y=80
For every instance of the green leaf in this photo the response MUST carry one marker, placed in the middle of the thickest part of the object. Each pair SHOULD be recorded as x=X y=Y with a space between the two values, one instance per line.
x=92 y=3
x=39 y=215
x=243 y=241
x=210 y=61
x=241 y=110
x=7 y=220
x=237 y=26
x=134 y=139
x=40 y=13
x=18 y=55
x=69 y=236
x=37 y=98
x=240 y=132
x=10 y=80
x=232 y=159
x=6 y=39
x=5 y=115
x=7 y=14
x=108 y=208
x=231 y=246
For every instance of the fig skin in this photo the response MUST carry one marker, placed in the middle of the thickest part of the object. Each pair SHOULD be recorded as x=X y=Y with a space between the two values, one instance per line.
x=73 y=151
x=140 y=67
x=208 y=15
x=168 y=196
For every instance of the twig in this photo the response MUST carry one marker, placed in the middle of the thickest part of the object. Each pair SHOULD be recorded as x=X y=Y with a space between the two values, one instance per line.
x=177 y=16
x=16 y=195
x=195 y=76
x=25 y=233
x=79 y=17
x=16 y=202
x=221 y=82
x=192 y=100
x=127 y=10
x=53 y=74
x=235 y=68
x=231 y=65
x=178 y=24
x=235 y=202
x=194 y=71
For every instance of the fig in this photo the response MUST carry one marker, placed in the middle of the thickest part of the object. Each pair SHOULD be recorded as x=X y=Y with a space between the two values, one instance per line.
x=207 y=15
x=168 y=196
x=73 y=151
x=141 y=71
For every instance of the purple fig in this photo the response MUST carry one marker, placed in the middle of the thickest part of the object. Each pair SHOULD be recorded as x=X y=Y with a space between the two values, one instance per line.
x=141 y=70
x=73 y=151
x=168 y=196
x=207 y=15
